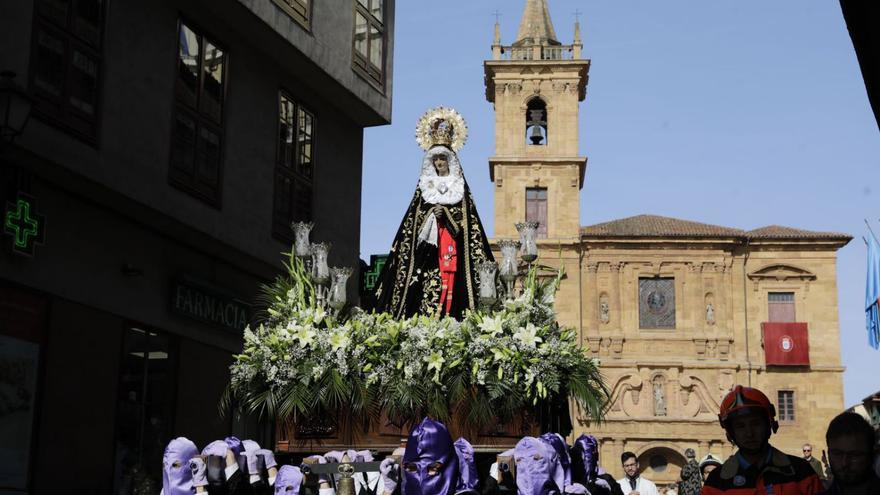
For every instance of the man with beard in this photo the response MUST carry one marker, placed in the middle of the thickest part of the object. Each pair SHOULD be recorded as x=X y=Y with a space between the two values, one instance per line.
x=633 y=483
x=850 y=442
x=749 y=419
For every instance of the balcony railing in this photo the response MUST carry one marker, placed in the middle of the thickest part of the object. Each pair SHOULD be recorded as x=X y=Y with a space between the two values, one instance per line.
x=536 y=52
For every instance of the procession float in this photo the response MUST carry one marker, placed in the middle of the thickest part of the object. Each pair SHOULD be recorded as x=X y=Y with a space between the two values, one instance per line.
x=450 y=332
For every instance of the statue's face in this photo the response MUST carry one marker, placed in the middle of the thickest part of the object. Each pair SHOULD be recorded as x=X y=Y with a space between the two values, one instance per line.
x=441 y=164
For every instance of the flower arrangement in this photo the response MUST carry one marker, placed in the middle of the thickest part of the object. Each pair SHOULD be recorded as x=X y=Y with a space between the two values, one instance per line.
x=302 y=361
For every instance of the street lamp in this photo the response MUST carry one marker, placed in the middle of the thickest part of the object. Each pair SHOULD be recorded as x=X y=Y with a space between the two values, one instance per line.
x=15 y=107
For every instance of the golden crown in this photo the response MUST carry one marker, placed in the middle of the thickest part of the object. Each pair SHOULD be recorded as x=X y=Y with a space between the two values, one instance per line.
x=441 y=132
x=441 y=126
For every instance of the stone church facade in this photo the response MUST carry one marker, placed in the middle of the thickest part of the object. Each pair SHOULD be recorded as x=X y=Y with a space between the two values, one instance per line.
x=676 y=311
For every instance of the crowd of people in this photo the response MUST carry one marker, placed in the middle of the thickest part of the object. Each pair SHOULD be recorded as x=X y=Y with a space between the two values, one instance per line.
x=433 y=464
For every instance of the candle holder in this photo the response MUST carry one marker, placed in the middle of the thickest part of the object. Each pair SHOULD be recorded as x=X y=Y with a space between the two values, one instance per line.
x=338 y=295
x=528 y=234
x=301 y=243
x=488 y=270
x=320 y=272
x=509 y=270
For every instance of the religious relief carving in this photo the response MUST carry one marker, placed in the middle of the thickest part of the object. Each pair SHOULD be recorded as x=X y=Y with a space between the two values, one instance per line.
x=561 y=87
x=695 y=397
x=710 y=348
x=659 y=384
x=512 y=88
x=604 y=309
x=624 y=397
x=536 y=86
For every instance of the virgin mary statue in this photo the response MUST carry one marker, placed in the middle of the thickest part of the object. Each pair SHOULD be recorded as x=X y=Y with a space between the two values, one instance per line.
x=431 y=268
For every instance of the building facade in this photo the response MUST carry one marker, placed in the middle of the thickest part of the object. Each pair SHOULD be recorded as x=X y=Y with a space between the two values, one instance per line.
x=170 y=145
x=676 y=311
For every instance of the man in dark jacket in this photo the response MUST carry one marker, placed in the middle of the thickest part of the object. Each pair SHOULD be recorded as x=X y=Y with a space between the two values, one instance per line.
x=850 y=440
x=749 y=419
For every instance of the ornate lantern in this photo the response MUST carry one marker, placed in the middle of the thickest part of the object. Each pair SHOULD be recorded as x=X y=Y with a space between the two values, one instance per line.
x=487 y=271
x=528 y=233
x=509 y=268
x=338 y=296
x=301 y=245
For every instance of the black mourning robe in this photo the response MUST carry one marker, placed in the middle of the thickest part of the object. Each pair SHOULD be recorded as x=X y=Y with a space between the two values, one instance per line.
x=410 y=283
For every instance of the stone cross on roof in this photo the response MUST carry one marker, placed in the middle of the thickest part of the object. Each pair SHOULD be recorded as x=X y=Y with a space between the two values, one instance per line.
x=536 y=26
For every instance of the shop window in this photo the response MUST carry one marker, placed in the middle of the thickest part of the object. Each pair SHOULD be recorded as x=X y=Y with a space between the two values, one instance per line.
x=780 y=307
x=536 y=209
x=294 y=167
x=145 y=405
x=368 y=57
x=66 y=64
x=197 y=129
x=785 y=406
x=656 y=303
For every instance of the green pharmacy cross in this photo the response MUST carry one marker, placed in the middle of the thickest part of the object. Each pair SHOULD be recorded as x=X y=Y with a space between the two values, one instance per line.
x=23 y=224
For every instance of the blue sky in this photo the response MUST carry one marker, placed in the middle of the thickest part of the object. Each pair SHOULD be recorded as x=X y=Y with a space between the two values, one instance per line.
x=741 y=114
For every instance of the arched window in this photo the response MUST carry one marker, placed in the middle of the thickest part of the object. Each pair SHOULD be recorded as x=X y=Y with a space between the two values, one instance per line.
x=536 y=122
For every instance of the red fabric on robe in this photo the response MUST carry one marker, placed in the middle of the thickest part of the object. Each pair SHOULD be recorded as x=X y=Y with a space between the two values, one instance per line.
x=448 y=265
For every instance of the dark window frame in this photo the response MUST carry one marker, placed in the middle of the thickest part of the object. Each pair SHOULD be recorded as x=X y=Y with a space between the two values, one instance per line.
x=292 y=174
x=783 y=300
x=362 y=65
x=298 y=10
x=542 y=223
x=787 y=413
x=58 y=111
x=176 y=175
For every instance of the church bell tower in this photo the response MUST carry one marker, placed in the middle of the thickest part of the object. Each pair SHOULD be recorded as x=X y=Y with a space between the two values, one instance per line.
x=536 y=85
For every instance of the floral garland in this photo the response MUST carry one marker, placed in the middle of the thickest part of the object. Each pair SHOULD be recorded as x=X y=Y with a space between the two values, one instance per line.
x=301 y=361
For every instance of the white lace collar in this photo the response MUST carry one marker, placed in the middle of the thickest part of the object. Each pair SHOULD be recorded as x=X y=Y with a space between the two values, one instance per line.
x=446 y=190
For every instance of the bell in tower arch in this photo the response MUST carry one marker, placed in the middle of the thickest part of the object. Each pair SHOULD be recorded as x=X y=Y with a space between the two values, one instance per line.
x=536 y=122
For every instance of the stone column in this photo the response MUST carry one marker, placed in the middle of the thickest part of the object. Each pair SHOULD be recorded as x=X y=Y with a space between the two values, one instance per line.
x=616 y=307
x=694 y=300
x=591 y=299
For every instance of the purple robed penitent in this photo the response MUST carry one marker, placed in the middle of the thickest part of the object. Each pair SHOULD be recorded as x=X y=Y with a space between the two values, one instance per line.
x=467 y=466
x=588 y=448
x=176 y=474
x=430 y=444
x=558 y=443
x=235 y=444
x=288 y=481
x=537 y=470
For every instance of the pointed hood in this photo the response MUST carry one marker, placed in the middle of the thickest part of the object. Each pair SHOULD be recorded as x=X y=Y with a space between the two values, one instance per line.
x=536 y=28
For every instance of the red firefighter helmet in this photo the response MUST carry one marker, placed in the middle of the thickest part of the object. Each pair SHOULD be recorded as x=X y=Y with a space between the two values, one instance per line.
x=746 y=400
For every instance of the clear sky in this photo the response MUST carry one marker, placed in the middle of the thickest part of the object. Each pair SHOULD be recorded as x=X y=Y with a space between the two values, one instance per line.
x=740 y=114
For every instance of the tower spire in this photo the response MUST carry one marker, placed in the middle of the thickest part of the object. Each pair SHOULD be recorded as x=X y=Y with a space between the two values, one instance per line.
x=536 y=28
